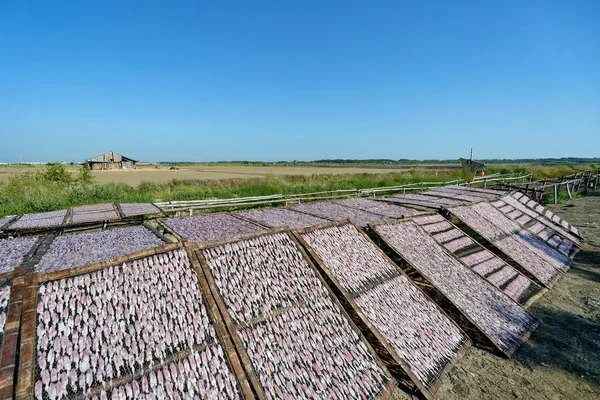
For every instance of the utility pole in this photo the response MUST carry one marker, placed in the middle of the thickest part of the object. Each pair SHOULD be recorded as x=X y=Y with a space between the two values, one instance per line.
x=20 y=159
x=197 y=157
x=471 y=154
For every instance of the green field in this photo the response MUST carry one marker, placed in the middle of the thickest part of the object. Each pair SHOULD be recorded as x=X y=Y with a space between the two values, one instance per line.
x=54 y=187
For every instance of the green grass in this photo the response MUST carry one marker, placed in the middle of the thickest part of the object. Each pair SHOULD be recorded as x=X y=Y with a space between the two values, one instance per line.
x=54 y=189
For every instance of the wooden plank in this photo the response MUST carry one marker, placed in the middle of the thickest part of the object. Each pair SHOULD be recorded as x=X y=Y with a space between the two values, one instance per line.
x=9 y=350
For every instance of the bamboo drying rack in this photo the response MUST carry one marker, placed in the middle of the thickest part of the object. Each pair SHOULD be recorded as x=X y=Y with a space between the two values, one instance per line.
x=386 y=352
x=489 y=244
x=232 y=326
x=527 y=298
x=27 y=361
x=472 y=328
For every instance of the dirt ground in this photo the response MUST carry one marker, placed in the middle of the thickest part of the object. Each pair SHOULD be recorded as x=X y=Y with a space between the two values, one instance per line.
x=212 y=172
x=561 y=360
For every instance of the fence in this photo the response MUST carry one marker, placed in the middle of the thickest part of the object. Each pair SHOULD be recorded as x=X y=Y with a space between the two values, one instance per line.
x=570 y=184
x=191 y=205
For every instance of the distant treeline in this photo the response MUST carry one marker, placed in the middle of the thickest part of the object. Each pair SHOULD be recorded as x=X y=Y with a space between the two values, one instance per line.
x=404 y=161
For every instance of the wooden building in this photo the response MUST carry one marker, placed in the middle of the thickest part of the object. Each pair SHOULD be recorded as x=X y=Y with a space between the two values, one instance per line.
x=111 y=160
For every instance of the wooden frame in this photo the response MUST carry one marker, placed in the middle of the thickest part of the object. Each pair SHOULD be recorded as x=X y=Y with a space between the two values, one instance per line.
x=474 y=192
x=232 y=326
x=400 y=369
x=462 y=319
x=166 y=228
x=74 y=227
x=542 y=219
x=338 y=201
x=123 y=216
x=547 y=222
x=529 y=300
x=10 y=342
x=26 y=263
x=410 y=203
x=337 y=204
x=27 y=362
x=455 y=220
x=235 y=214
x=440 y=195
x=9 y=221
x=45 y=242
x=545 y=209
x=33 y=231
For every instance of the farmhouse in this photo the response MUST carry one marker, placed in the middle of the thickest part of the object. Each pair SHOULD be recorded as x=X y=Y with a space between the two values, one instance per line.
x=111 y=160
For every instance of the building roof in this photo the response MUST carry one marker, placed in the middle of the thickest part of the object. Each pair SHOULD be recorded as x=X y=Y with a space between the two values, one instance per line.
x=110 y=156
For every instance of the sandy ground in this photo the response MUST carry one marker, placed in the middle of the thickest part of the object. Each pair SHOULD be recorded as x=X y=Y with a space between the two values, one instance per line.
x=212 y=172
x=561 y=360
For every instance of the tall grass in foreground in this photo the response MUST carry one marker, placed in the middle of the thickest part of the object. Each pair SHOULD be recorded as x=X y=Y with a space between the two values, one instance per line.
x=55 y=188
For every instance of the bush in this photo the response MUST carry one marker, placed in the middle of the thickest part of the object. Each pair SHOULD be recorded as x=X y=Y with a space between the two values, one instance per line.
x=56 y=173
x=85 y=174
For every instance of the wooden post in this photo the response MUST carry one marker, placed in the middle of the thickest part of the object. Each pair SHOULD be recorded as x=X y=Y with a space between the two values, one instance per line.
x=555 y=194
x=569 y=191
x=562 y=178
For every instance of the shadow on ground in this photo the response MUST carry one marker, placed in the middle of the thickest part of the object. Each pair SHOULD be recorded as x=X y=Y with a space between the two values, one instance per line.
x=566 y=341
x=586 y=264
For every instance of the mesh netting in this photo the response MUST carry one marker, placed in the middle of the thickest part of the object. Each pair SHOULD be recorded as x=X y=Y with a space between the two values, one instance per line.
x=281 y=217
x=377 y=207
x=137 y=329
x=12 y=252
x=502 y=320
x=80 y=249
x=40 y=220
x=300 y=343
x=132 y=209
x=424 y=338
x=4 y=303
x=337 y=212
x=202 y=228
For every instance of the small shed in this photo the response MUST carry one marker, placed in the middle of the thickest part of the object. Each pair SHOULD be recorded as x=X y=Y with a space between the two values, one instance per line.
x=111 y=160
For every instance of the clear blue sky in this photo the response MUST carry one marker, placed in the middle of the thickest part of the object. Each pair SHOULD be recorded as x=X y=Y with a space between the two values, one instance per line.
x=284 y=80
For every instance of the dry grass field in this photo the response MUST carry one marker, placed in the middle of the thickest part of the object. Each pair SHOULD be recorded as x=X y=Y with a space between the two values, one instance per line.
x=162 y=173
x=28 y=189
